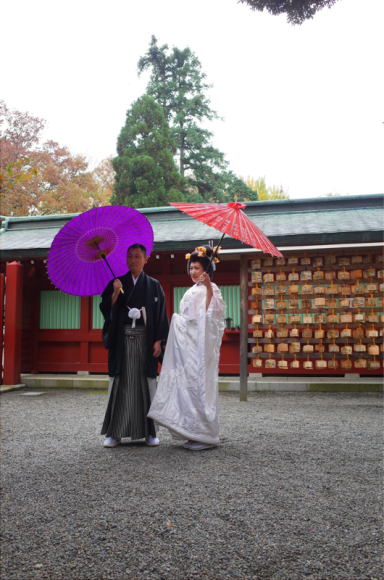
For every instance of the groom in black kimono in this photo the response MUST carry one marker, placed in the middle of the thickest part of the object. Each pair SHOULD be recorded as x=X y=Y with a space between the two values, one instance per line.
x=136 y=323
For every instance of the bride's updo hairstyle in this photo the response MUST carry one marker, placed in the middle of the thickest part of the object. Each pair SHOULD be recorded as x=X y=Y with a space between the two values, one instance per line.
x=202 y=254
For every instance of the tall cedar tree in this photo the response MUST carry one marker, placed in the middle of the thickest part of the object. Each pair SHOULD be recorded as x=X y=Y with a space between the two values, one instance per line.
x=297 y=11
x=146 y=174
x=178 y=84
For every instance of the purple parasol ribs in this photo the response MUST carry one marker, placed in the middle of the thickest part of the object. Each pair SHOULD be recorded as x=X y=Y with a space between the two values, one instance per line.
x=75 y=262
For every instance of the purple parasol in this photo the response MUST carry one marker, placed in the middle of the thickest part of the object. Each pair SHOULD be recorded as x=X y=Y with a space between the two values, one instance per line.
x=92 y=245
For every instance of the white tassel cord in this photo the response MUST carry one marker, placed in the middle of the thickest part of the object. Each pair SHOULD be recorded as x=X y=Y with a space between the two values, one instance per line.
x=135 y=314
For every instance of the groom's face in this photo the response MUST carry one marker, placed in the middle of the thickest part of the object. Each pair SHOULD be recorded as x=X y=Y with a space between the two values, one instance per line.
x=136 y=261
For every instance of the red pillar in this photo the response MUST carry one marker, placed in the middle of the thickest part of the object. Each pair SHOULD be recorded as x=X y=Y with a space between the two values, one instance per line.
x=13 y=323
x=2 y=291
x=85 y=313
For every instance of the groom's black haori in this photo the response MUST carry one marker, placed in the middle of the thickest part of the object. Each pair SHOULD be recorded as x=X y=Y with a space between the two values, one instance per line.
x=130 y=354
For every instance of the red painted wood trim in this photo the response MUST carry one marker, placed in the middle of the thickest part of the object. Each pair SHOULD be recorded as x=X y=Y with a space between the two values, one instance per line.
x=36 y=324
x=85 y=313
x=69 y=335
x=84 y=355
x=13 y=324
x=2 y=295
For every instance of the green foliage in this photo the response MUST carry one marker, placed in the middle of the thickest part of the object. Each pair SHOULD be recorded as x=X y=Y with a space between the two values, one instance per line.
x=220 y=187
x=297 y=11
x=146 y=174
x=265 y=192
x=178 y=84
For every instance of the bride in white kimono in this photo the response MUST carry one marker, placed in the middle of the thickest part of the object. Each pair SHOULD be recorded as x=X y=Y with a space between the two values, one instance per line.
x=186 y=400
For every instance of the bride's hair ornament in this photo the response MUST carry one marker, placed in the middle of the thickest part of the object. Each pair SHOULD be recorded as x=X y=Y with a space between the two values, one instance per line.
x=202 y=254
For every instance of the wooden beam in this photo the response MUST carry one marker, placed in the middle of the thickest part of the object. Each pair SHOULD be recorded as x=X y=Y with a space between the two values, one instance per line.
x=243 y=327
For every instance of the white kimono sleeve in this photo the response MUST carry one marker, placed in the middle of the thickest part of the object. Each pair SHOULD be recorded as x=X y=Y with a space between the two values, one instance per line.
x=210 y=328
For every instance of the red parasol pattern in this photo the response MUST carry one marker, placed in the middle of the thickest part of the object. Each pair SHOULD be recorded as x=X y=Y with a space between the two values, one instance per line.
x=231 y=220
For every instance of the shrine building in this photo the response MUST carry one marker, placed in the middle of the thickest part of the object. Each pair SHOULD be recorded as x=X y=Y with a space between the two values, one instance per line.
x=317 y=311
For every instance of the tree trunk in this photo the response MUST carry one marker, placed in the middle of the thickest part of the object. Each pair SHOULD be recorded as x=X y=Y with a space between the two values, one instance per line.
x=182 y=169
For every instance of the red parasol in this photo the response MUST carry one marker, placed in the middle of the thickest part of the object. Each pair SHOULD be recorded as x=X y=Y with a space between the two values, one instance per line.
x=231 y=220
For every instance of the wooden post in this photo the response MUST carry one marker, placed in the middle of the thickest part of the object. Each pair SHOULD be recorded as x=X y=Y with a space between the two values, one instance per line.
x=243 y=327
x=166 y=284
x=13 y=324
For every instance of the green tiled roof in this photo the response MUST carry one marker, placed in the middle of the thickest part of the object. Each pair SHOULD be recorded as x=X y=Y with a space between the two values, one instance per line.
x=297 y=222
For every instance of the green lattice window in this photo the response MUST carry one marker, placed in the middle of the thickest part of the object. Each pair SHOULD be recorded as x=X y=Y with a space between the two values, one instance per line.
x=97 y=317
x=230 y=294
x=59 y=310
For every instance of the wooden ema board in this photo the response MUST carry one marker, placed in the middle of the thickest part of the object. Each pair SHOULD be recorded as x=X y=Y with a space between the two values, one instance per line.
x=322 y=360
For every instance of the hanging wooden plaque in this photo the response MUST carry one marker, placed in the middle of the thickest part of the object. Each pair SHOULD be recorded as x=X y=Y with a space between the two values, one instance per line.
x=360 y=347
x=270 y=363
x=373 y=365
x=257 y=277
x=294 y=347
x=282 y=333
x=360 y=363
x=282 y=347
x=258 y=348
x=356 y=273
x=269 y=318
x=344 y=261
x=333 y=348
x=321 y=364
x=356 y=259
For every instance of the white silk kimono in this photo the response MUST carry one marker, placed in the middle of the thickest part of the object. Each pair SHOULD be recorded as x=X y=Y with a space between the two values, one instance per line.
x=186 y=400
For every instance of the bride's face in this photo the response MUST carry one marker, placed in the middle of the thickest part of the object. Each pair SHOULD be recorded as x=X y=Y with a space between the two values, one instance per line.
x=196 y=270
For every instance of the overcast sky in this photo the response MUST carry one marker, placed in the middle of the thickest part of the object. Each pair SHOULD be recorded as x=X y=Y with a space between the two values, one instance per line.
x=302 y=105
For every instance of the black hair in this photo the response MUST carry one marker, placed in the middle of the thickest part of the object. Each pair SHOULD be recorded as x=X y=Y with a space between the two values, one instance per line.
x=209 y=267
x=138 y=247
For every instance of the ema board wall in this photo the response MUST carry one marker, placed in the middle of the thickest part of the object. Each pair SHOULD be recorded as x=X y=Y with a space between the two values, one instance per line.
x=318 y=312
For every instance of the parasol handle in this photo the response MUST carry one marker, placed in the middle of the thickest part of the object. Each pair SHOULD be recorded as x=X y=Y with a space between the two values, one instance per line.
x=102 y=254
x=215 y=253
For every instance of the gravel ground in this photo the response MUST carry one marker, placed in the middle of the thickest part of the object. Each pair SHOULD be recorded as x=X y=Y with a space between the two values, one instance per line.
x=292 y=492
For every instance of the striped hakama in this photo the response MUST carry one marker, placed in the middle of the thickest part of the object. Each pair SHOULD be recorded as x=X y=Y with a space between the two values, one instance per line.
x=129 y=399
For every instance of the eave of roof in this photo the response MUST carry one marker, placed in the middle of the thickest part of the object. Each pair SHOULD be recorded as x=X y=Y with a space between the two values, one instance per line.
x=348 y=219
